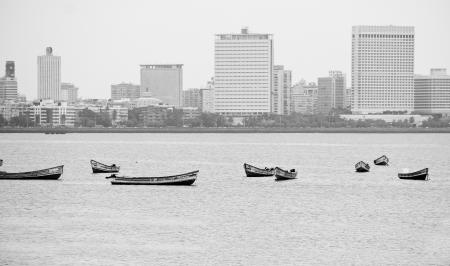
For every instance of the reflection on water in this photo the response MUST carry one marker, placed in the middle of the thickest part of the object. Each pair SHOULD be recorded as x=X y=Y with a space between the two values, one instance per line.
x=329 y=215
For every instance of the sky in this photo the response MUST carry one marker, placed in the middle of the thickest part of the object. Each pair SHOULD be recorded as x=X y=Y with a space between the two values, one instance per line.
x=103 y=42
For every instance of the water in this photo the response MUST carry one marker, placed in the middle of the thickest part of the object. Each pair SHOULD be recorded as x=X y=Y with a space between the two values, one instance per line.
x=329 y=215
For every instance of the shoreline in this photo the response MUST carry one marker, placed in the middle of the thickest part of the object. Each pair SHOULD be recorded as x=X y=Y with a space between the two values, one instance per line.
x=227 y=130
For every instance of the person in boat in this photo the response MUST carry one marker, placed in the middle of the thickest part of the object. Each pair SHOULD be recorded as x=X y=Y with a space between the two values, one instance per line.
x=292 y=171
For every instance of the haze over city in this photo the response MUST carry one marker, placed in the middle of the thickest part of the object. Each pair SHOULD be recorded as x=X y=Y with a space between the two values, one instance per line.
x=104 y=42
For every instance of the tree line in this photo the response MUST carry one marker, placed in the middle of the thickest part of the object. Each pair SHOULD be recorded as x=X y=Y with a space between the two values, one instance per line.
x=175 y=118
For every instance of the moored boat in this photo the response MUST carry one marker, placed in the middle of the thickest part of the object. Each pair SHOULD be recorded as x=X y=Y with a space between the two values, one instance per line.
x=383 y=160
x=252 y=171
x=173 y=180
x=1 y=162
x=49 y=173
x=362 y=167
x=281 y=174
x=418 y=175
x=98 y=167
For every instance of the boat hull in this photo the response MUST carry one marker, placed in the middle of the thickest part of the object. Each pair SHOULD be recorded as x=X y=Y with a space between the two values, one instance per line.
x=362 y=167
x=98 y=167
x=45 y=174
x=252 y=171
x=281 y=174
x=98 y=171
x=383 y=160
x=418 y=175
x=186 y=182
x=186 y=179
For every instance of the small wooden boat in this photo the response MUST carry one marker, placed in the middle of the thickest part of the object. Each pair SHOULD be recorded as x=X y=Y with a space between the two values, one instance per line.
x=174 y=180
x=362 y=167
x=281 y=174
x=418 y=175
x=252 y=171
x=383 y=160
x=49 y=173
x=98 y=167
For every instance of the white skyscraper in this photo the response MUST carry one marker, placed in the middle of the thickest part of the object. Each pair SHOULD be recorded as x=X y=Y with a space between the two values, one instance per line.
x=243 y=68
x=382 y=69
x=432 y=92
x=281 y=91
x=49 y=76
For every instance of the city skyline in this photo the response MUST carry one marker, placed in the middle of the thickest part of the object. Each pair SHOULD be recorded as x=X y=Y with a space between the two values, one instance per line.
x=97 y=51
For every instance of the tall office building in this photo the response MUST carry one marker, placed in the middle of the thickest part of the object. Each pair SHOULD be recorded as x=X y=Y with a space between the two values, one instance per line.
x=304 y=98
x=125 y=91
x=432 y=93
x=164 y=82
x=49 y=76
x=382 y=68
x=192 y=98
x=207 y=97
x=331 y=92
x=10 y=69
x=69 y=92
x=281 y=91
x=243 y=68
x=8 y=83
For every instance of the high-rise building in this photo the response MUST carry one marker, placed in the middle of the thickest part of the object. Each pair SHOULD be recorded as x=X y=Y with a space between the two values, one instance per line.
x=331 y=92
x=243 y=68
x=432 y=93
x=207 y=97
x=281 y=91
x=49 y=76
x=10 y=70
x=382 y=68
x=304 y=98
x=69 y=92
x=192 y=98
x=125 y=91
x=8 y=83
x=164 y=82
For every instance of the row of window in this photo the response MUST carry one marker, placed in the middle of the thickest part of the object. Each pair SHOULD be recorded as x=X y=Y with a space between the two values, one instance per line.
x=388 y=36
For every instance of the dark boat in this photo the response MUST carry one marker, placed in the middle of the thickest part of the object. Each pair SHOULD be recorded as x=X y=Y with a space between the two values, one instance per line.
x=252 y=171
x=49 y=173
x=174 y=180
x=383 y=160
x=418 y=175
x=1 y=162
x=281 y=174
x=362 y=167
x=98 y=167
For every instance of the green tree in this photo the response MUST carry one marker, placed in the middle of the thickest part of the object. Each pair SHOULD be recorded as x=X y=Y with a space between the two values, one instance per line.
x=3 y=121
x=174 y=118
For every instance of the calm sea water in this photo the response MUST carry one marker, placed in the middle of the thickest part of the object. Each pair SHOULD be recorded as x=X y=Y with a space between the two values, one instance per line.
x=329 y=215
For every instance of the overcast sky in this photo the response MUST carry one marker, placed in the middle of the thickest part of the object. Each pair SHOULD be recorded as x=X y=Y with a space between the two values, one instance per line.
x=104 y=42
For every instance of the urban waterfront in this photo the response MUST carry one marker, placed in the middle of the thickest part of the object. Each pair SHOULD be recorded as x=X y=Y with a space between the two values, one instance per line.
x=329 y=215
